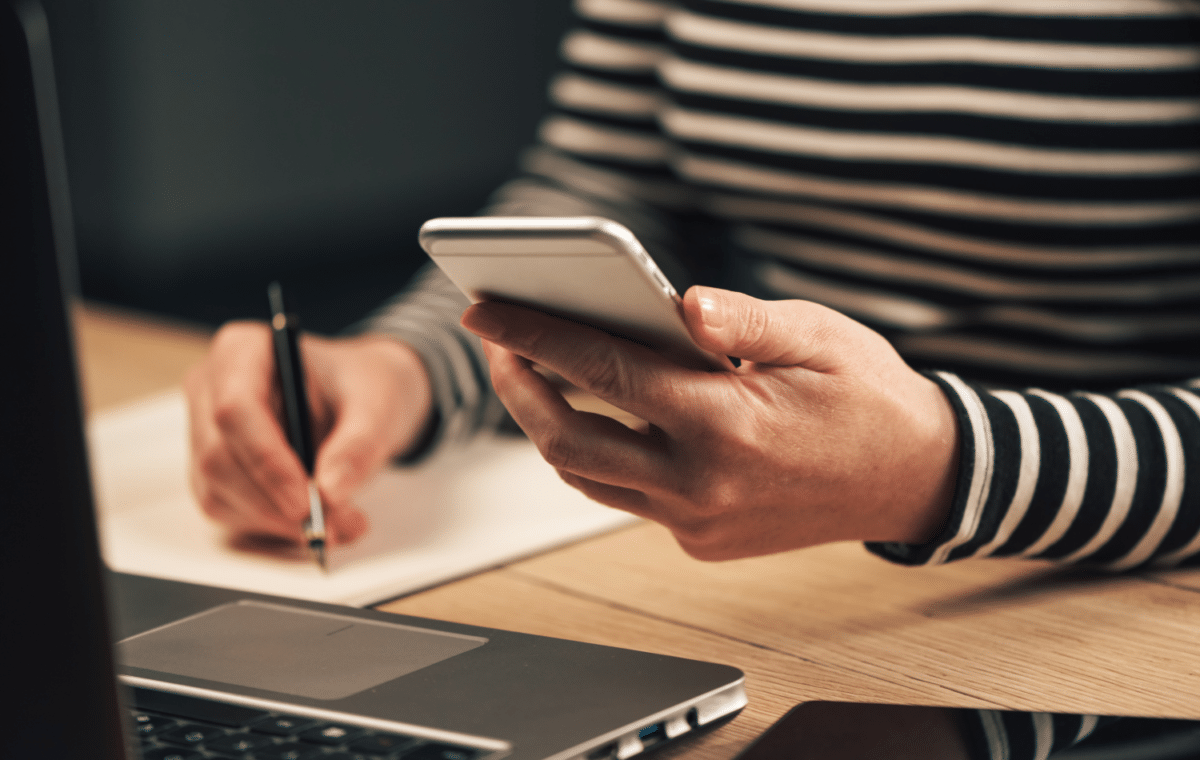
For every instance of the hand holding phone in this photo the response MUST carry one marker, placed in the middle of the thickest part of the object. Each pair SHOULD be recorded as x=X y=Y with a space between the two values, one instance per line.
x=822 y=433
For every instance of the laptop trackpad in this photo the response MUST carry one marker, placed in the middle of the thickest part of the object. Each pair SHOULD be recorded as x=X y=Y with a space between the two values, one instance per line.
x=290 y=650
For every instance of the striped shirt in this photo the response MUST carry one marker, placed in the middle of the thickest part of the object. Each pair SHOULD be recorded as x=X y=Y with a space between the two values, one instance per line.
x=1009 y=190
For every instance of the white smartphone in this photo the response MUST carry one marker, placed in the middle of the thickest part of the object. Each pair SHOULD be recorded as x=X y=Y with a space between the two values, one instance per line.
x=587 y=269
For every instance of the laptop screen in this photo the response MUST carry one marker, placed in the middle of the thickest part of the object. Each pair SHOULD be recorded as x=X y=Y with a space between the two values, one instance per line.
x=57 y=648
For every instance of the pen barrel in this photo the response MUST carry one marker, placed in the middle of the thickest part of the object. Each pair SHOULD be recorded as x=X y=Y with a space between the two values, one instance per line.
x=290 y=371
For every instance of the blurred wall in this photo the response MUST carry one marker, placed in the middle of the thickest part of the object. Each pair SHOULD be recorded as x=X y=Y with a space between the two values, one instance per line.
x=214 y=144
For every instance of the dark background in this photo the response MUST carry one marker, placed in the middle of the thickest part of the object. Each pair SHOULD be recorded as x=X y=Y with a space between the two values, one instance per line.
x=214 y=145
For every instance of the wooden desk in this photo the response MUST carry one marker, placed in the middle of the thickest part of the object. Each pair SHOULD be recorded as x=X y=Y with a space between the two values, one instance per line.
x=831 y=622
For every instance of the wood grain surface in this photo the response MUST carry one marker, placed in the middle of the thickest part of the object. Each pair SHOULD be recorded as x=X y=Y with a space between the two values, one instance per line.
x=126 y=355
x=831 y=622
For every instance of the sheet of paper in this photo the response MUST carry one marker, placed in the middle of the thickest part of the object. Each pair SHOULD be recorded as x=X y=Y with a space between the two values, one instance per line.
x=467 y=510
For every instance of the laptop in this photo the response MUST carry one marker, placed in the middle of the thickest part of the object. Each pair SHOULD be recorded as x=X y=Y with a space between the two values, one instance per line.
x=178 y=671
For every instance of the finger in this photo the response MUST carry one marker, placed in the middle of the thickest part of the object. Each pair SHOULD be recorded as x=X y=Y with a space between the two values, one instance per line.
x=240 y=523
x=587 y=444
x=627 y=375
x=344 y=524
x=258 y=444
x=781 y=333
x=241 y=381
x=376 y=399
x=626 y=499
x=349 y=455
x=224 y=495
x=354 y=450
x=373 y=420
x=220 y=485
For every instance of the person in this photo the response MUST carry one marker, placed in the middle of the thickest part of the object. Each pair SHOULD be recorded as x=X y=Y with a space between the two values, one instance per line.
x=954 y=243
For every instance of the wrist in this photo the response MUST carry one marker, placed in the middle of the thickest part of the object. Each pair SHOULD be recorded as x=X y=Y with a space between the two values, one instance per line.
x=936 y=462
x=411 y=381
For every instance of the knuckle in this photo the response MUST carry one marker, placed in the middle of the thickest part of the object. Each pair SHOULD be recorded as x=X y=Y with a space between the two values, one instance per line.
x=699 y=538
x=696 y=550
x=711 y=494
x=210 y=504
x=702 y=525
x=271 y=467
x=211 y=507
x=227 y=413
x=502 y=379
x=211 y=464
x=755 y=326
x=558 y=450
x=704 y=537
x=529 y=341
x=357 y=459
x=825 y=334
x=606 y=371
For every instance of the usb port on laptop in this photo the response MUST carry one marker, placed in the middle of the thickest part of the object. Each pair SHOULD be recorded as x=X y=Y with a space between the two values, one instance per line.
x=651 y=735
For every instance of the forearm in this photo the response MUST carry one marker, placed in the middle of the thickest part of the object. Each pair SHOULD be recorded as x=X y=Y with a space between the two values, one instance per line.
x=1108 y=480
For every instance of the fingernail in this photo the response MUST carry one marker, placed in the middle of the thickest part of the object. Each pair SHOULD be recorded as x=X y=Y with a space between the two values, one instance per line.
x=480 y=320
x=711 y=312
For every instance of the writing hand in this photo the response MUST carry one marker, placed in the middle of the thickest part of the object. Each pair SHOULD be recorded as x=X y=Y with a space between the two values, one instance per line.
x=370 y=399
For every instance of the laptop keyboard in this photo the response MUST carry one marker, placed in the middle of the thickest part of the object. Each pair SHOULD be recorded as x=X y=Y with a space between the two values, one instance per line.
x=177 y=727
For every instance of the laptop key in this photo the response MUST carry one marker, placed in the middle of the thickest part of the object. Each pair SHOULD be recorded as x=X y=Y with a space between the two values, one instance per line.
x=238 y=743
x=287 y=751
x=191 y=734
x=381 y=744
x=148 y=725
x=282 y=725
x=332 y=734
x=439 y=751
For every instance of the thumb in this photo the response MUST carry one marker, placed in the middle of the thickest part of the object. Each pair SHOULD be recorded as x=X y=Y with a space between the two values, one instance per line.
x=348 y=456
x=781 y=333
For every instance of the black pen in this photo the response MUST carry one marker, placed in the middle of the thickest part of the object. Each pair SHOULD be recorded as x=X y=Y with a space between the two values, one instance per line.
x=290 y=370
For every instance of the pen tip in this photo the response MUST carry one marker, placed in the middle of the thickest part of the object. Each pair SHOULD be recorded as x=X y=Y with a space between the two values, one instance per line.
x=317 y=547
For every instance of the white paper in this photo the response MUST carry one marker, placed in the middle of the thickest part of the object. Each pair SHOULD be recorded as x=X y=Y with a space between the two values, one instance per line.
x=467 y=510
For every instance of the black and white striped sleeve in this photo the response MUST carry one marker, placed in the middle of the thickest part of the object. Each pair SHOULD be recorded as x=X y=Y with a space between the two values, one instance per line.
x=425 y=316
x=1013 y=735
x=600 y=152
x=1110 y=480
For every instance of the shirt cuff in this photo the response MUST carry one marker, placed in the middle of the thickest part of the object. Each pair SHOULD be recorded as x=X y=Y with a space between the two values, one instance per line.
x=976 y=462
